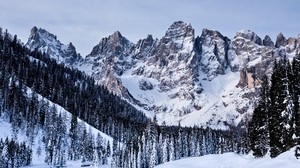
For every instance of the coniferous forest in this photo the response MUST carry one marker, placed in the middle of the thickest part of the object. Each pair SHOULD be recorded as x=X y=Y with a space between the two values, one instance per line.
x=275 y=124
x=32 y=86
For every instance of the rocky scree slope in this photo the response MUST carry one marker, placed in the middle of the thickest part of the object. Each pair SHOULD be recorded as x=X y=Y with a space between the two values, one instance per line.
x=207 y=80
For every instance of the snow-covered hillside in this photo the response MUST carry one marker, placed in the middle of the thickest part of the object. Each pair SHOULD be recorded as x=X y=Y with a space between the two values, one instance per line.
x=232 y=160
x=38 y=159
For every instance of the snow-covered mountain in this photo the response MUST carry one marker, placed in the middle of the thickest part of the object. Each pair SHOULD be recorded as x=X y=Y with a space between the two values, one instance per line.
x=48 y=43
x=208 y=80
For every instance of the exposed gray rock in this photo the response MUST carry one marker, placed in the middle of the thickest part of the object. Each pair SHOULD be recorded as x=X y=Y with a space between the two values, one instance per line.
x=145 y=85
x=280 y=41
x=267 y=41
x=145 y=48
x=249 y=35
x=212 y=48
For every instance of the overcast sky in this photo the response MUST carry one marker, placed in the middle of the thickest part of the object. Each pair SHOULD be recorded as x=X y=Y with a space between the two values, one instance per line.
x=85 y=22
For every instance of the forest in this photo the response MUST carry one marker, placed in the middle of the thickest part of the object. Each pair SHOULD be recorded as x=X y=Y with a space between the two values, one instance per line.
x=275 y=124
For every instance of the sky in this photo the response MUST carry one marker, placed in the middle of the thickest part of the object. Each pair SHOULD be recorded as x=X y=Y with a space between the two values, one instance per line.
x=86 y=22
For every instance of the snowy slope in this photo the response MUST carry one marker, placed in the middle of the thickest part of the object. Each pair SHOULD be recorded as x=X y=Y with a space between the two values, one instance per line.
x=232 y=160
x=38 y=161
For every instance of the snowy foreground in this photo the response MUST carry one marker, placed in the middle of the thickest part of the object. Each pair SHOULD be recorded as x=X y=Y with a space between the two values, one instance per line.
x=227 y=160
x=231 y=160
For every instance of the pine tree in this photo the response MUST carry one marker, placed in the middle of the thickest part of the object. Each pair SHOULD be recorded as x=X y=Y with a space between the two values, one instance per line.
x=114 y=159
x=287 y=114
x=73 y=153
x=165 y=157
x=153 y=156
x=258 y=127
x=99 y=149
x=172 y=150
x=277 y=107
x=296 y=97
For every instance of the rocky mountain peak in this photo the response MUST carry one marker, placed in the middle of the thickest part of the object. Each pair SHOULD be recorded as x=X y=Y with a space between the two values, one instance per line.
x=47 y=42
x=33 y=32
x=117 y=37
x=267 y=41
x=179 y=30
x=144 y=43
x=71 y=46
x=212 y=47
x=211 y=33
x=145 y=47
x=280 y=41
x=114 y=44
x=249 y=35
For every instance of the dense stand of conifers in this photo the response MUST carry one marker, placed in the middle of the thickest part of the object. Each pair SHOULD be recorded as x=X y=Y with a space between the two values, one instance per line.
x=30 y=83
x=275 y=124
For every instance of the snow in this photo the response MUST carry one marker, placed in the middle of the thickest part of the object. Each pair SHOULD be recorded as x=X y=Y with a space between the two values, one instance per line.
x=217 y=92
x=218 y=101
x=38 y=161
x=254 y=62
x=232 y=160
x=5 y=129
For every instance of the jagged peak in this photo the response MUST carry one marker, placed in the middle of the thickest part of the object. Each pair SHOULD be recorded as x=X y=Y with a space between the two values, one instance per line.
x=115 y=38
x=116 y=34
x=180 y=29
x=38 y=34
x=280 y=40
x=149 y=37
x=48 y=43
x=71 y=46
x=267 y=41
x=114 y=43
x=33 y=32
x=249 y=35
x=208 y=32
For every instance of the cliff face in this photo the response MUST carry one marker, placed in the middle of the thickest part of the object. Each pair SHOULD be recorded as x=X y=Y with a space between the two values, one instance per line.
x=207 y=80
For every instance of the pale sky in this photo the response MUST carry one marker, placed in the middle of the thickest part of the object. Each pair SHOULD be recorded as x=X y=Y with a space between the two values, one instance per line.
x=85 y=22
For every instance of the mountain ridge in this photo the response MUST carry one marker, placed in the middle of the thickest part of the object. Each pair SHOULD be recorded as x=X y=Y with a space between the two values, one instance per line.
x=207 y=80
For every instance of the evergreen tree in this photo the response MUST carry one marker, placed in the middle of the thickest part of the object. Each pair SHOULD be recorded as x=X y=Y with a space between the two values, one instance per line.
x=73 y=153
x=114 y=159
x=277 y=108
x=153 y=156
x=258 y=127
x=296 y=97
x=165 y=157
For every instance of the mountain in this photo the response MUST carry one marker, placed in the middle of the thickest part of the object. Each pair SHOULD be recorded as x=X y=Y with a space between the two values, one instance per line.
x=47 y=43
x=207 y=80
